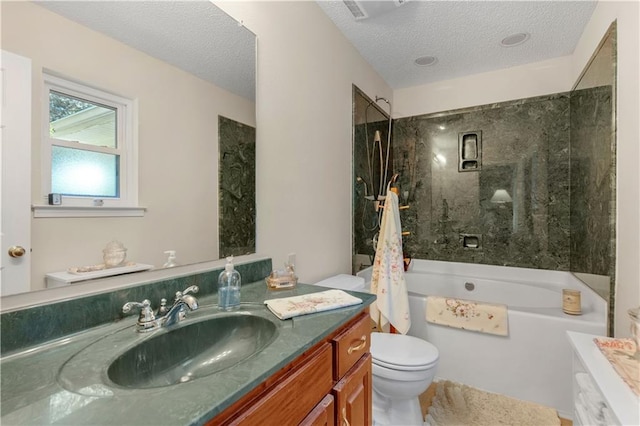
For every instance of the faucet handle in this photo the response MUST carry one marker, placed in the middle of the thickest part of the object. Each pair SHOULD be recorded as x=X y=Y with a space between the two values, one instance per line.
x=163 y=309
x=146 y=313
x=190 y=289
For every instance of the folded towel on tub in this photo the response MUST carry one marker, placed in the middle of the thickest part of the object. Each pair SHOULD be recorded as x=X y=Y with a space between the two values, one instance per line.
x=468 y=315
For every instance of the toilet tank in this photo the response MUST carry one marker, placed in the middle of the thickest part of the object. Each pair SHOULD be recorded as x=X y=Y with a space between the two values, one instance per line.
x=344 y=282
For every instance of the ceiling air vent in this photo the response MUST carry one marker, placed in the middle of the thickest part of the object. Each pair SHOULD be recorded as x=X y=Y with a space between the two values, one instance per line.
x=363 y=9
x=355 y=9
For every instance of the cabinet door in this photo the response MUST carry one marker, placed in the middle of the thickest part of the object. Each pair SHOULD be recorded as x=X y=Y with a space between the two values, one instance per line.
x=353 y=395
x=322 y=415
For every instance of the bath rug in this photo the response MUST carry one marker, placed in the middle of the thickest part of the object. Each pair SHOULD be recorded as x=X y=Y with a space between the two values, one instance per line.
x=457 y=404
x=468 y=315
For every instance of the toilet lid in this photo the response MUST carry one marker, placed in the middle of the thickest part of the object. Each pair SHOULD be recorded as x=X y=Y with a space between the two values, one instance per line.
x=402 y=352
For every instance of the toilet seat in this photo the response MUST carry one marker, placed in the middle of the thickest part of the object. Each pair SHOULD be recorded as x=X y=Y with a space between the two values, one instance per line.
x=402 y=352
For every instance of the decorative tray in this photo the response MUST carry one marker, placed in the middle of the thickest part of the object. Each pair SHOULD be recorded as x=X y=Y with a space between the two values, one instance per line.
x=281 y=282
x=93 y=268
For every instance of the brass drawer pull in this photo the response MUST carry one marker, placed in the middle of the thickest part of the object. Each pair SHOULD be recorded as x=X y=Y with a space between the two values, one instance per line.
x=345 y=422
x=363 y=343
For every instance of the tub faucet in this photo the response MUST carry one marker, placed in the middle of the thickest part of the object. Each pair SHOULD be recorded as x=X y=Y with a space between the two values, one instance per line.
x=165 y=317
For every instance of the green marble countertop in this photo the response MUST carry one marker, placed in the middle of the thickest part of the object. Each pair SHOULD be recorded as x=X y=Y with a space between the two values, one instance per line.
x=34 y=392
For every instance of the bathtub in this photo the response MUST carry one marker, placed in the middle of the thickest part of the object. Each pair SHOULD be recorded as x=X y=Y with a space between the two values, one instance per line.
x=534 y=362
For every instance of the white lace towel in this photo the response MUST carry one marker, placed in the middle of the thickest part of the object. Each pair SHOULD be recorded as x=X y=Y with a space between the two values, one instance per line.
x=387 y=278
x=289 y=307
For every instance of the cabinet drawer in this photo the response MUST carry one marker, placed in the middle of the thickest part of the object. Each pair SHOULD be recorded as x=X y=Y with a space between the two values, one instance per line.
x=289 y=402
x=351 y=344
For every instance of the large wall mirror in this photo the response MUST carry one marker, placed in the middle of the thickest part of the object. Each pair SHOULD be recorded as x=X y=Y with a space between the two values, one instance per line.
x=189 y=71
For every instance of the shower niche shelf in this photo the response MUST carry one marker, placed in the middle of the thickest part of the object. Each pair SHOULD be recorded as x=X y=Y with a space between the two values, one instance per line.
x=470 y=151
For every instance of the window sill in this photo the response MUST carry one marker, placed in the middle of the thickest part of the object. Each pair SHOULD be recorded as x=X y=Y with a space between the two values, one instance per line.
x=40 y=211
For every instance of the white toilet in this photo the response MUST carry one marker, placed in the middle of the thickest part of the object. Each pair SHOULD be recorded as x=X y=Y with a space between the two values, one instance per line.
x=403 y=368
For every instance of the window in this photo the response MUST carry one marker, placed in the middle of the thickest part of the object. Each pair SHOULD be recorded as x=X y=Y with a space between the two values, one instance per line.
x=89 y=151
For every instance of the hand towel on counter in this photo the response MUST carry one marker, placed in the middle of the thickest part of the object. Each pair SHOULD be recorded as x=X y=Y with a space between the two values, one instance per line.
x=468 y=315
x=289 y=307
x=387 y=278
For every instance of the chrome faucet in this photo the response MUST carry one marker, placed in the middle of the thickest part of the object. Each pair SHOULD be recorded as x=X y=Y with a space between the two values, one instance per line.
x=165 y=317
x=178 y=310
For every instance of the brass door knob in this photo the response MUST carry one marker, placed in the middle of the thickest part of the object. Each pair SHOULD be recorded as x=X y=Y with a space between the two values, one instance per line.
x=16 y=251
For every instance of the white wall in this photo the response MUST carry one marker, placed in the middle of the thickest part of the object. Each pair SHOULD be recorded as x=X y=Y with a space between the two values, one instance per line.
x=627 y=15
x=525 y=81
x=306 y=69
x=178 y=144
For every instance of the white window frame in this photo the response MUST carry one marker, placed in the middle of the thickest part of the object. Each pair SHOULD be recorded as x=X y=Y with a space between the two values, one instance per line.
x=126 y=204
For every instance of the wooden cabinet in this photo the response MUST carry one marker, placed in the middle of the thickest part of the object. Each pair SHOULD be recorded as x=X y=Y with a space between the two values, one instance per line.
x=322 y=415
x=350 y=345
x=353 y=395
x=330 y=384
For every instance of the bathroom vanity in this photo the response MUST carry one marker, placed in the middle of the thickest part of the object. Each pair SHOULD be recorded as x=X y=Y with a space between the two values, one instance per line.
x=328 y=384
x=316 y=369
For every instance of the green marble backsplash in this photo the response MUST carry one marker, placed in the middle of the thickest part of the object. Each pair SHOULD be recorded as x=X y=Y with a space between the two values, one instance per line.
x=27 y=327
x=237 y=195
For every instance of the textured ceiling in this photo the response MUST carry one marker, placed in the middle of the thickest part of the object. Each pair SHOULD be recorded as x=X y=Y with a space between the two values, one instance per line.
x=195 y=36
x=464 y=35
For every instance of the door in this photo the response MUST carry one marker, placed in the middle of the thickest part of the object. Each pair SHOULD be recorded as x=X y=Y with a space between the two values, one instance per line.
x=15 y=174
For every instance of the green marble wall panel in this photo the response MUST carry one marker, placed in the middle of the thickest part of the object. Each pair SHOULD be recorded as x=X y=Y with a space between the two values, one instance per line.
x=38 y=324
x=237 y=194
x=525 y=151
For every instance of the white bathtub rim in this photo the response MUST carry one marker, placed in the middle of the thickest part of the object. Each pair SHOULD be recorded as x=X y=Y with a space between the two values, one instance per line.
x=594 y=306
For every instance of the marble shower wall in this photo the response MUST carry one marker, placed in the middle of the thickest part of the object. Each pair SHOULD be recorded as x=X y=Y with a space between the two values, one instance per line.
x=237 y=194
x=368 y=118
x=524 y=151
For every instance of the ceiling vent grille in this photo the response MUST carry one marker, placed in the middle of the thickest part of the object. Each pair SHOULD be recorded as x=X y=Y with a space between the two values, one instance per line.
x=355 y=9
x=363 y=9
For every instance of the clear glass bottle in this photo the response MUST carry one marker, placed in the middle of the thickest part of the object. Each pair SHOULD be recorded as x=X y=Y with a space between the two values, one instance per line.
x=229 y=287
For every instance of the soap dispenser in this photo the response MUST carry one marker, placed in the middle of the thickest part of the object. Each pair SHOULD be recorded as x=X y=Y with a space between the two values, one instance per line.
x=229 y=287
x=171 y=260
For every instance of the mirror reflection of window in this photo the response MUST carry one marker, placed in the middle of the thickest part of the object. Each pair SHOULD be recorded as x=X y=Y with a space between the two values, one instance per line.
x=86 y=144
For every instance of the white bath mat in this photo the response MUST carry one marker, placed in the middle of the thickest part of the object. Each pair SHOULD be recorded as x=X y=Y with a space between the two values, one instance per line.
x=458 y=404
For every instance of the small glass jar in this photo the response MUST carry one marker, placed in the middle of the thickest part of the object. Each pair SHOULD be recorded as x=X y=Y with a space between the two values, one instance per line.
x=571 y=303
x=114 y=254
